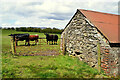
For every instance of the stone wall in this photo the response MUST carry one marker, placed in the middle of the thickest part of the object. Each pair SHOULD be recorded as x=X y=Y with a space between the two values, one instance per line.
x=110 y=60
x=82 y=39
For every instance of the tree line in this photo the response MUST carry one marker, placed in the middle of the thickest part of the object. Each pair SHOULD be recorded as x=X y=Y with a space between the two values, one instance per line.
x=32 y=29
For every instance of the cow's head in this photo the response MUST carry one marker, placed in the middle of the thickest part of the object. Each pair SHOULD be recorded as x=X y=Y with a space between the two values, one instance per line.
x=47 y=35
x=11 y=35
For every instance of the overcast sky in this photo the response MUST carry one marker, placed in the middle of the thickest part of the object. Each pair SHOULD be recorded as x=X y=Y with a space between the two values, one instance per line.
x=48 y=13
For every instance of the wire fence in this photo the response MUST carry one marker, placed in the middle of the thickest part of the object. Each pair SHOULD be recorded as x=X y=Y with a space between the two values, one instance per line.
x=42 y=48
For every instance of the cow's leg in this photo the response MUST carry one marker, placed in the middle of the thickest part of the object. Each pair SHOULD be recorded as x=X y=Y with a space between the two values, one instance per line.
x=56 y=42
x=47 y=41
x=28 y=42
x=37 y=41
x=25 y=43
x=52 y=42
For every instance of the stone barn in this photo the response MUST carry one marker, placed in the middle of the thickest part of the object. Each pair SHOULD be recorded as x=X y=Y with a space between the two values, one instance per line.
x=89 y=33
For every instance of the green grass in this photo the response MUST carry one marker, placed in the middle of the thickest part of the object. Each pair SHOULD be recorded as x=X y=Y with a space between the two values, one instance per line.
x=46 y=67
x=42 y=66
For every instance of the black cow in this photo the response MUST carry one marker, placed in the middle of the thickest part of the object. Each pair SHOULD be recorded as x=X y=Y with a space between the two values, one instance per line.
x=20 y=37
x=51 y=38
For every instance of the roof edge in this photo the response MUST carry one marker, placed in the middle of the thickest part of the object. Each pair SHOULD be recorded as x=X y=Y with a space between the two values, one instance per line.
x=73 y=17
x=98 y=12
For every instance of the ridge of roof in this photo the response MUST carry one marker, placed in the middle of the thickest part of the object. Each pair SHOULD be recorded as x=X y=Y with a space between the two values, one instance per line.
x=99 y=12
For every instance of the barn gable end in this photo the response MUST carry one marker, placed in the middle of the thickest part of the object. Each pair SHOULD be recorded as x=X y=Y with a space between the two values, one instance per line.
x=82 y=38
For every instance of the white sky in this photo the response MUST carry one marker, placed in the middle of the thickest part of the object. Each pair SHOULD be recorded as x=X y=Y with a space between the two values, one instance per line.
x=48 y=13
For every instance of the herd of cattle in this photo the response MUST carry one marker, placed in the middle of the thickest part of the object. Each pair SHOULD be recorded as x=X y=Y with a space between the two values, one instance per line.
x=28 y=38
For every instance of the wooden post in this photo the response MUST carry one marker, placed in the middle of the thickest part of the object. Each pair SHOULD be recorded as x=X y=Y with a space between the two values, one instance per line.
x=12 y=45
x=63 y=44
x=15 y=46
x=99 y=58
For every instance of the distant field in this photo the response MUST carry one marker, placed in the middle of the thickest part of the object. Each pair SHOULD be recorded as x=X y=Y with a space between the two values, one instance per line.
x=60 y=66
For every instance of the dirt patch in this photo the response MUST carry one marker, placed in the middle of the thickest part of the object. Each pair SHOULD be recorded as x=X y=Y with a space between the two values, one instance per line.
x=41 y=53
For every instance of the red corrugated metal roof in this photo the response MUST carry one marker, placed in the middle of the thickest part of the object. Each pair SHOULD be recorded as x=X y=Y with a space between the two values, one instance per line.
x=106 y=23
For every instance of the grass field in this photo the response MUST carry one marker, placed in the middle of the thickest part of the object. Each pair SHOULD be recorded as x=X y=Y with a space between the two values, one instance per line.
x=59 y=66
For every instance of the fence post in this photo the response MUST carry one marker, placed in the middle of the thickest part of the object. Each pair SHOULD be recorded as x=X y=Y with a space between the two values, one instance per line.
x=12 y=45
x=99 y=58
x=15 y=45
x=63 y=41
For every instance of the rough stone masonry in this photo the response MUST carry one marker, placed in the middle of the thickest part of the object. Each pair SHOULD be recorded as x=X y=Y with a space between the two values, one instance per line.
x=82 y=39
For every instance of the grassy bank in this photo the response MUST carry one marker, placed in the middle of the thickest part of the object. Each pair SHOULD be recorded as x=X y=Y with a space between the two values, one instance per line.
x=46 y=67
